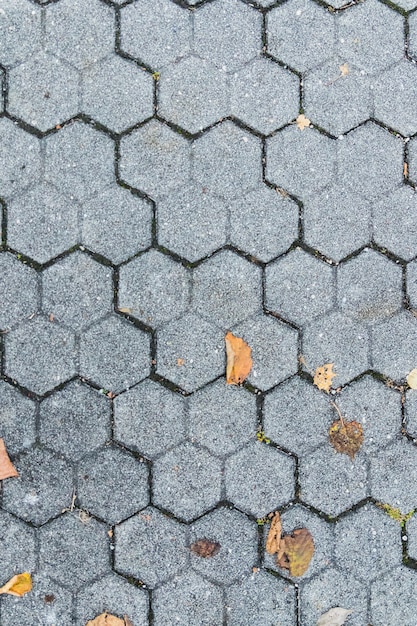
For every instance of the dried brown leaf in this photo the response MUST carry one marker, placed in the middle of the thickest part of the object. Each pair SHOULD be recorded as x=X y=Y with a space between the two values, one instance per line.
x=323 y=377
x=302 y=122
x=412 y=379
x=296 y=551
x=7 y=469
x=239 y=360
x=335 y=617
x=405 y=169
x=18 y=586
x=274 y=535
x=105 y=619
x=205 y=548
x=346 y=437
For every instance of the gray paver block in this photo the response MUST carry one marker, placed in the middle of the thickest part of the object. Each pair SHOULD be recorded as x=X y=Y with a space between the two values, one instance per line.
x=274 y=350
x=151 y=547
x=265 y=96
x=43 y=488
x=331 y=482
x=114 y=354
x=300 y=34
x=17 y=419
x=74 y=551
x=227 y=160
x=116 y=234
x=186 y=481
x=75 y=420
x=154 y=287
x=297 y=416
x=391 y=480
x=190 y=352
x=155 y=159
x=369 y=287
x=117 y=93
x=17 y=546
x=112 y=484
x=300 y=161
x=40 y=355
x=192 y=222
x=222 y=417
x=412 y=25
x=299 y=295
x=20 y=31
x=394 y=345
x=149 y=418
x=20 y=291
x=188 y=600
x=42 y=223
x=395 y=222
x=261 y=599
x=263 y=223
x=410 y=410
x=52 y=95
x=77 y=290
x=114 y=594
x=412 y=159
x=228 y=33
x=340 y=340
x=238 y=539
x=394 y=92
x=20 y=157
x=392 y=598
x=226 y=289
x=269 y=479
x=80 y=32
x=193 y=94
x=337 y=222
x=156 y=33
x=412 y=537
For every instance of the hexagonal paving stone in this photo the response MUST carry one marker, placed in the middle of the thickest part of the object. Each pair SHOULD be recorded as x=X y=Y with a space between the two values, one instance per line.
x=394 y=91
x=394 y=345
x=154 y=159
x=110 y=594
x=193 y=94
x=371 y=37
x=412 y=283
x=188 y=599
x=412 y=537
x=17 y=545
x=149 y=418
x=265 y=96
x=40 y=355
x=369 y=287
x=412 y=25
x=299 y=296
x=370 y=160
x=297 y=416
x=156 y=33
x=226 y=289
x=112 y=484
x=392 y=597
x=261 y=599
x=331 y=482
x=73 y=551
x=20 y=155
x=114 y=354
x=368 y=543
x=42 y=223
x=222 y=417
x=300 y=161
x=337 y=101
x=151 y=547
x=17 y=419
x=300 y=34
x=111 y=78
x=192 y=222
x=263 y=223
x=53 y=94
x=269 y=479
x=337 y=339
x=390 y=477
x=20 y=21
x=154 y=288
x=238 y=539
x=78 y=32
x=116 y=234
x=77 y=290
x=190 y=352
x=412 y=159
x=44 y=486
x=410 y=410
x=20 y=290
x=263 y=334
x=337 y=222
x=227 y=160
x=228 y=34
x=75 y=420
x=186 y=481
x=395 y=222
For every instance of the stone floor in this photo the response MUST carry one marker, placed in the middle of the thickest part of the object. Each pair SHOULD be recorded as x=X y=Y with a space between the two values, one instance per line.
x=171 y=170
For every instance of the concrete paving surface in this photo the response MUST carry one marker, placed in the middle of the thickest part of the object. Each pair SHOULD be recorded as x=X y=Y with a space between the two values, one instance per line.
x=171 y=170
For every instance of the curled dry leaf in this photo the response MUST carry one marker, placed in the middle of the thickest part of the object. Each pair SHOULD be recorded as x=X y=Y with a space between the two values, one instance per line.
x=205 y=548
x=105 y=619
x=239 y=360
x=302 y=122
x=296 y=551
x=334 y=617
x=323 y=377
x=412 y=379
x=346 y=437
x=274 y=535
x=7 y=469
x=18 y=586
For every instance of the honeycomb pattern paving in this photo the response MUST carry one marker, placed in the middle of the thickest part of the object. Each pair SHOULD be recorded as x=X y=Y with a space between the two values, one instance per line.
x=401 y=80
x=20 y=153
x=17 y=419
x=20 y=289
x=394 y=225
x=20 y=20
x=17 y=545
x=400 y=583
x=393 y=345
x=390 y=482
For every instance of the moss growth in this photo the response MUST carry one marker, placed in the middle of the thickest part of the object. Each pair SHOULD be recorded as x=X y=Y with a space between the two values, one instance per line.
x=260 y=435
x=396 y=514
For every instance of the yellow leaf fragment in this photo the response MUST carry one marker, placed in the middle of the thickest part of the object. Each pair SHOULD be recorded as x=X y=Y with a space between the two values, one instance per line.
x=346 y=437
x=405 y=169
x=7 y=469
x=296 y=551
x=18 y=586
x=335 y=617
x=302 y=122
x=239 y=360
x=274 y=535
x=105 y=619
x=323 y=377
x=344 y=69
x=412 y=379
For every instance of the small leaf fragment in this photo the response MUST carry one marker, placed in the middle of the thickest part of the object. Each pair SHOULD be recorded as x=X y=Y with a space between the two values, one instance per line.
x=302 y=122
x=323 y=377
x=205 y=548
x=18 y=586
x=335 y=617
x=346 y=437
x=412 y=379
x=105 y=619
x=296 y=551
x=7 y=469
x=274 y=535
x=239 y=360
x=344 y=69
